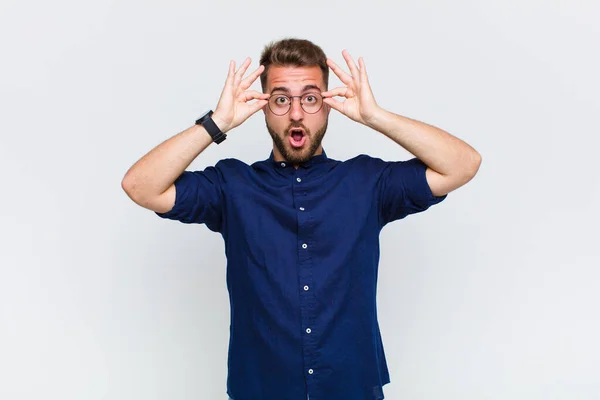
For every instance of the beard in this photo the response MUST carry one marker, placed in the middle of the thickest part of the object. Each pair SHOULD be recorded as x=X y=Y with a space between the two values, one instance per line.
x=305 y=153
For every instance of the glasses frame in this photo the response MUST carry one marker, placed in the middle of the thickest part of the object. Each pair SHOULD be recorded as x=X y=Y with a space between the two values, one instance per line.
x=292 y=100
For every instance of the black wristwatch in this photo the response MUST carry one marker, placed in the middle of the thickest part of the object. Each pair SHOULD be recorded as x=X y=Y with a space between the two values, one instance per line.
x=213 y=130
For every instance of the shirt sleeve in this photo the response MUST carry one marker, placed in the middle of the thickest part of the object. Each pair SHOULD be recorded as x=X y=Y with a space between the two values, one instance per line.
x=198 y=199
x=403 y=190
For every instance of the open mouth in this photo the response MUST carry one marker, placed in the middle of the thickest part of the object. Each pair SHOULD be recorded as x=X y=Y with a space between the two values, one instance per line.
x=297 y=137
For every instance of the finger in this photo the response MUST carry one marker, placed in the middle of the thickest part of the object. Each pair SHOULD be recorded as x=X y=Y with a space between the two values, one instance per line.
x=253 y=94
x=340 y=91
x=335 y=104
x=249 y=80
x=240 y=72
x=363 y=69
x=230 y=73
x=344 y=77
x=353 y=68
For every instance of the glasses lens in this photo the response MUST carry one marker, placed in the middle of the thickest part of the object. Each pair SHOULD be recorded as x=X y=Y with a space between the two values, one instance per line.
x=311 y=102
x=279 y=104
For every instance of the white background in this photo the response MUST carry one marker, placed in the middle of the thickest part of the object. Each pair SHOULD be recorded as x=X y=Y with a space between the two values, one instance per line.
x=492 y=294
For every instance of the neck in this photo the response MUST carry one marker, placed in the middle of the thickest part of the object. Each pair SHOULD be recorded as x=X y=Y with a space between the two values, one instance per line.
x=277 y=156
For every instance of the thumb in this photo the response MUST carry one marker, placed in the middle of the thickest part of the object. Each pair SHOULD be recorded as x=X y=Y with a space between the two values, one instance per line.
x=335 y=104
x=257 y=106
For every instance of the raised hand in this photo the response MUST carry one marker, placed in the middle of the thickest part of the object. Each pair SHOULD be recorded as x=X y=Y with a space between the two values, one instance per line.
x=233 y=107
x=359 y=104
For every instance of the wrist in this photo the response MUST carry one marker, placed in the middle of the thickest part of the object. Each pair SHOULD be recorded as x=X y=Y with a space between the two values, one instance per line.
x=211 y=127
x=220 y=122
x=379 y=119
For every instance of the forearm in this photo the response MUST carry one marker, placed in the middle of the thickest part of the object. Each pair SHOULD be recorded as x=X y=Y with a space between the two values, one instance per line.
x=155 y=172
x=439 y=150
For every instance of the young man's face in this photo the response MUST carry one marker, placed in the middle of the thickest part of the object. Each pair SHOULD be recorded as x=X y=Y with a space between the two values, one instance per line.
x=291 y=145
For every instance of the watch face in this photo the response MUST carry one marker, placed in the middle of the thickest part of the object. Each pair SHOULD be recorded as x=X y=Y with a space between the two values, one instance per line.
x=204 y=117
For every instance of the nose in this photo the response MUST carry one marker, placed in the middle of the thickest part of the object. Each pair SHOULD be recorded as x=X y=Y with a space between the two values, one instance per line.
x=296 y=111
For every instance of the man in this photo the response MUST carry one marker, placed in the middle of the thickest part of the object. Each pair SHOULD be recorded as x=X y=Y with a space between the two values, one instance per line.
x=301 y=230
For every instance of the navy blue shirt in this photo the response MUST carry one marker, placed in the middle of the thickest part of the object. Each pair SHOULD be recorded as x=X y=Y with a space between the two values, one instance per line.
x=302 y=248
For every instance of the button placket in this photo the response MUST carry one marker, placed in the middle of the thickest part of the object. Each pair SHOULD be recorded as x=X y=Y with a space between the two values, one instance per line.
x=305 y=272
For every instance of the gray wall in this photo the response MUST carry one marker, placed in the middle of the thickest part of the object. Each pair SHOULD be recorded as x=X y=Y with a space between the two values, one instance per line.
x=492 y=294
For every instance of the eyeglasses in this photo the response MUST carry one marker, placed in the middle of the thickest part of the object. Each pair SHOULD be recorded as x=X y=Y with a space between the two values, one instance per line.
x=280 y=104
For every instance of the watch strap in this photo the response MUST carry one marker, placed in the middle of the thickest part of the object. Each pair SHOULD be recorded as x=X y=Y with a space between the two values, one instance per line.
x=213 y=130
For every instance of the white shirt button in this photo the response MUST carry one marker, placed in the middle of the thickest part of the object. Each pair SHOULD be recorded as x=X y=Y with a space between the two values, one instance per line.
x=301 y=208
x=308 y=330
x=310 y=371
x=283 y=164
x=304 y=246
x=299 y=180
x=305 y=287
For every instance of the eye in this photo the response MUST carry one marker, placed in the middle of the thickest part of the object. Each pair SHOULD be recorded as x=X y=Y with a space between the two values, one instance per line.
x=309 y=98
x=281 y=100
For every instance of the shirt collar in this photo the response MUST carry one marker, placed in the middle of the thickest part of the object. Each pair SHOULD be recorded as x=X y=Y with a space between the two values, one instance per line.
x=316 y=160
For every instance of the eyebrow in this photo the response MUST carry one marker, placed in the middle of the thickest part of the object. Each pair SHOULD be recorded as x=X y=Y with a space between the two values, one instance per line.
x=304 y=89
